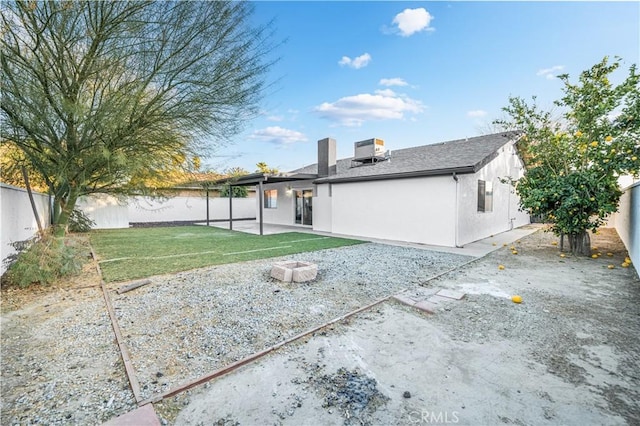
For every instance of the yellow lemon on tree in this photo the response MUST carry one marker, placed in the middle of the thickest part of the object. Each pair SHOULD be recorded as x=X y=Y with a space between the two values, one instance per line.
x=516 y=299
x=608 y=139
x=594 y=144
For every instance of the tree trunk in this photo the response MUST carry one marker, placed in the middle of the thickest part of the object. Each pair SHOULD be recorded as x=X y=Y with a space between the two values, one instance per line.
x=63 y=208
x=580 y=244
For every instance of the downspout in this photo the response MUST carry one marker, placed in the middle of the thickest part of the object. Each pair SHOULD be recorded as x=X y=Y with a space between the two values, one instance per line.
x=455 y=216
x=509 y=218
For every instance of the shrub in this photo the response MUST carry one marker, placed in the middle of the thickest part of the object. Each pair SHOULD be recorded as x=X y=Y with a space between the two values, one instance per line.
x=80 y=222
x=44 y=259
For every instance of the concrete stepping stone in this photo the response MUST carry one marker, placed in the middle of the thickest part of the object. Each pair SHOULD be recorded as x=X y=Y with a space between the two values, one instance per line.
x=143 y=416
x=429 y=302
x=450 y=294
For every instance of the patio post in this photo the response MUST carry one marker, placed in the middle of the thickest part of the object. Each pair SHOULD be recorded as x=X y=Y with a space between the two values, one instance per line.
x=261 y=203
x=207 y=206
x=230 y=207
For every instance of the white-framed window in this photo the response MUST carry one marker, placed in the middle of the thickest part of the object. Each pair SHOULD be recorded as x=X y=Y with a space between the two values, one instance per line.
x=270 y=198
x=485 y=196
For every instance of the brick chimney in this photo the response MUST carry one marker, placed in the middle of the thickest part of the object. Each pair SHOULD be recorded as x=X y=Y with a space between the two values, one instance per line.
x=326 y=157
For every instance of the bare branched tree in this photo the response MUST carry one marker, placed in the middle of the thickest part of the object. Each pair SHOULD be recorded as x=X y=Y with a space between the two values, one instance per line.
x=99 y=93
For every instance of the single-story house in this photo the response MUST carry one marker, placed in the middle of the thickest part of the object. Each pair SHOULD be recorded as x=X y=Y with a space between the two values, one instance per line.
x=447 y=194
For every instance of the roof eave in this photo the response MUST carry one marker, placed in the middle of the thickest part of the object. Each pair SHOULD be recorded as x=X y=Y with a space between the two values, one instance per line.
x=256 y=178
x=403 y=175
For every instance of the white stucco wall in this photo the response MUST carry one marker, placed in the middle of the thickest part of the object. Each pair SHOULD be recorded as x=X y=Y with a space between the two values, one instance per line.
x=322 y=208
x=148 y=209
x=284 y=214
x=419 y=210
x=474 y=225
x=105 y=210
x=18 y=220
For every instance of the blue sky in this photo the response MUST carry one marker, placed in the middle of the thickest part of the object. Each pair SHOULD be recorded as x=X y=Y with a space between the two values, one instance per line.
x=415 y=73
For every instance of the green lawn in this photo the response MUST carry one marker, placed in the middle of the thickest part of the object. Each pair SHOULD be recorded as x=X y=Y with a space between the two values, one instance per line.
x=126 y=254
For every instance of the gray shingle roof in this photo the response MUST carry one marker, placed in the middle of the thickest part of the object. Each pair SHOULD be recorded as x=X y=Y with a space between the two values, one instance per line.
x=460 y=156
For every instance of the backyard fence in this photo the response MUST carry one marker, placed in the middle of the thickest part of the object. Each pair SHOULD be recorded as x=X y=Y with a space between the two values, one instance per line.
x=107 y=211
x=627 y=222
x=18 y=221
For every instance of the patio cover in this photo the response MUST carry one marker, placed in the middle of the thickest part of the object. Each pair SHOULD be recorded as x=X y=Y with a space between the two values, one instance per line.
x=255 y=179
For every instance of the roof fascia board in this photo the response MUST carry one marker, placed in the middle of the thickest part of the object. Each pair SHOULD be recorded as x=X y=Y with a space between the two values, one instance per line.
x=405 y=175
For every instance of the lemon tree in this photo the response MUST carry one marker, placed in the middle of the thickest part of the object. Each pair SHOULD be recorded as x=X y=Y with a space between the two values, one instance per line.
x=573 y=162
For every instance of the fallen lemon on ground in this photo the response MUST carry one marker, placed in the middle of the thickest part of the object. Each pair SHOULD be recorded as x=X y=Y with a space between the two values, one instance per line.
x=554 y=243
x=514 y=252
x=501 y=267
x=494 y=244
x=594 y=256
x=625 y=265
x=609 y=254
x=611 y=266
x=504 y=245
x=562 y=255
x=516 y=299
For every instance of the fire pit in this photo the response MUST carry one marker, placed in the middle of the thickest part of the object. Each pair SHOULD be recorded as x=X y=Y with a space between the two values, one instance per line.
x=298 y=272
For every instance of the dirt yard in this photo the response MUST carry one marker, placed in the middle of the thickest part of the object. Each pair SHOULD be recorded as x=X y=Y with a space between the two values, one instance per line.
x=568 y=354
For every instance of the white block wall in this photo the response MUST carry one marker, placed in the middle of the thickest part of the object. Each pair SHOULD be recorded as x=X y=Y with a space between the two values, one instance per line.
x=147 y=209
x=105 y=210
x=627 y=222
x=18 y=220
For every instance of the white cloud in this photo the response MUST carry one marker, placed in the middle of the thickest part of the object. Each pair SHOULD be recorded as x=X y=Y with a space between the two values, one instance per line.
x=550 y=73
x=357 y=63
x=382 y=105
x=393 y=82
x=275 y=118
x=477 y=113
x=411 y=21
x=278 y=135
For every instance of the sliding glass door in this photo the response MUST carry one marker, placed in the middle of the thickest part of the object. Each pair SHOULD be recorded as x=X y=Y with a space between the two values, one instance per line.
x=304 y=207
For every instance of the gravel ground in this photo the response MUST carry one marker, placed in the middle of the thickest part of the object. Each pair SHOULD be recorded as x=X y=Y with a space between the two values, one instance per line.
x=568 y=354
x=183 y=326
x=60 y=363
